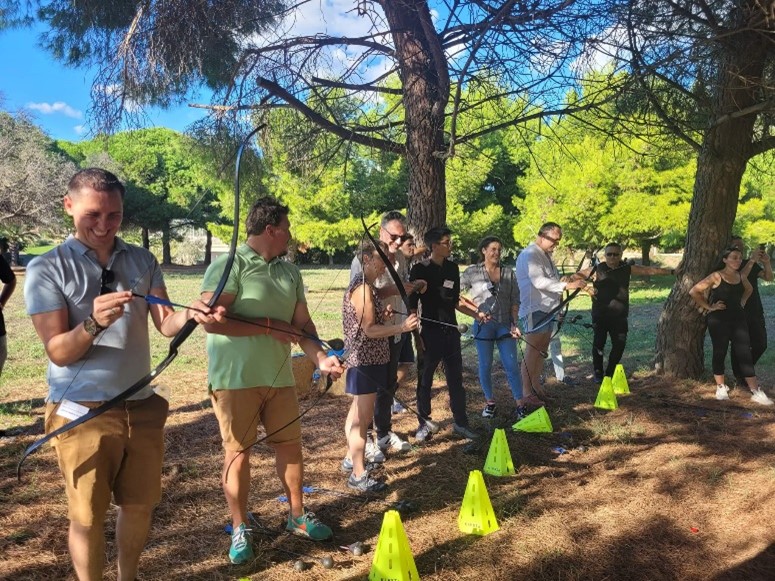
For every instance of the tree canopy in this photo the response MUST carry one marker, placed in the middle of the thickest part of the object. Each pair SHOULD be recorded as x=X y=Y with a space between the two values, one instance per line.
x=33 y=180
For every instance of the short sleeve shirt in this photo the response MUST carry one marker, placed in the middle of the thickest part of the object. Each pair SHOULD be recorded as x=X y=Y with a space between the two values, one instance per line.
x=442 y=296
x=262 y=289
x=496 y=299
x=69 y=277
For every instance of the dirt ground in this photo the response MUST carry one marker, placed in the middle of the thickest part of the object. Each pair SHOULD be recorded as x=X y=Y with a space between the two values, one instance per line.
x=671 y=485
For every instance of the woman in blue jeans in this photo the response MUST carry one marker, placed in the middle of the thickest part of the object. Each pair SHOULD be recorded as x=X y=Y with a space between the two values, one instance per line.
x=494 y=291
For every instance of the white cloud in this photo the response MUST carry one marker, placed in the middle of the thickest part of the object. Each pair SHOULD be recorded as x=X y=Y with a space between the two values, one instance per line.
x=602 y=51
x=52 y=108
x=80 y=129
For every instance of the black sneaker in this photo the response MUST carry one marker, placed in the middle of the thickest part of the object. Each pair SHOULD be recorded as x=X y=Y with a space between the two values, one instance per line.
x=489 y=410
x=521 y=413
x=365 y=483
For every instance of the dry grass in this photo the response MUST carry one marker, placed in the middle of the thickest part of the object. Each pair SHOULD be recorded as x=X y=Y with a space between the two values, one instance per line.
x=672 y=485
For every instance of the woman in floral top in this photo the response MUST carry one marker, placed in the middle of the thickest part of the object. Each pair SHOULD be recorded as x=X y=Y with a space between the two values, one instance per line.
x=366 y=344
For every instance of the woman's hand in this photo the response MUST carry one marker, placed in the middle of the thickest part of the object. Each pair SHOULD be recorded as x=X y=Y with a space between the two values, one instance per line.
x=410 y=323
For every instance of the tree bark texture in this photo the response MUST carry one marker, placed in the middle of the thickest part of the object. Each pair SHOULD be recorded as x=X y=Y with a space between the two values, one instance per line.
x=726 y=149
x=166 y=247
x=426 y=94
x=208 y=248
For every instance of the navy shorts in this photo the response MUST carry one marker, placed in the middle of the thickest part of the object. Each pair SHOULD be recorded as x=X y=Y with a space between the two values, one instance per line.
x=407 y=353
x=366 y=379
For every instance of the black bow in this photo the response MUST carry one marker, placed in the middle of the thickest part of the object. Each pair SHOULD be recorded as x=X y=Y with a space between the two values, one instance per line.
x=179 y=338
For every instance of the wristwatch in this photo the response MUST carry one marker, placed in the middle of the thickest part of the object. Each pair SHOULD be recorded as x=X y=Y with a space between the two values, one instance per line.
x=92 y=327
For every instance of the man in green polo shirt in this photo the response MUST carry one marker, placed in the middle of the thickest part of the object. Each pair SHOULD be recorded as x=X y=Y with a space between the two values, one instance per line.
x=250 y=373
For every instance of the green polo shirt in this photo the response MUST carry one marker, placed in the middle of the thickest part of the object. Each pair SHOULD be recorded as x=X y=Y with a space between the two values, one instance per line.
x=262 y=289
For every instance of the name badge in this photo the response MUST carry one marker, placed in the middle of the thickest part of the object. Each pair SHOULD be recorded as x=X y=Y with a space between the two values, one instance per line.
x=71 y=410
x=449 y=284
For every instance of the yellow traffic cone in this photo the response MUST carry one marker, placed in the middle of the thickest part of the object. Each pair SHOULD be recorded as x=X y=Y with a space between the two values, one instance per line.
x=538 y=421
x=499 y=461
x=393 y=560
x=476 y=515
x=606 y=398
x=620 y=381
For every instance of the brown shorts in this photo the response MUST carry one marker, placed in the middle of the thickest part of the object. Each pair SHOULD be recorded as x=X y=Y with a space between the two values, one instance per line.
x=238 y=411
x=119 y=452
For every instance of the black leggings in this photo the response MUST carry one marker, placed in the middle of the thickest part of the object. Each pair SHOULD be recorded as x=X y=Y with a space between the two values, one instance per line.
x=616 y=327
x=757 y=333
x=725 y=327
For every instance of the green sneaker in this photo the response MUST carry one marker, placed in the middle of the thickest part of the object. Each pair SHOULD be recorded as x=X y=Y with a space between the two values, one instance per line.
x=241 y=550
x=308 y=525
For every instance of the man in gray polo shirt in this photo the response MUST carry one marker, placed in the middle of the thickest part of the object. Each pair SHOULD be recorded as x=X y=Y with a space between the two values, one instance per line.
x=79 y=296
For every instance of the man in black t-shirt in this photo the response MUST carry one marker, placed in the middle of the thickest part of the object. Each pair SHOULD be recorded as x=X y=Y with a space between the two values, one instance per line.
x=757 y=266
x=611 y=305
x=441 y=341
x=8 y=278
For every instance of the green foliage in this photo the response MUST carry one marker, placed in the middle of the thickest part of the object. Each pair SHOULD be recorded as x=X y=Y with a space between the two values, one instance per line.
x=601 y=188
x=328 y=184
x=755 y=220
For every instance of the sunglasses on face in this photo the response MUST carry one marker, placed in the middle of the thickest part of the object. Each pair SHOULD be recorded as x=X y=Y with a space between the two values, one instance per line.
x=402 y=237
x=613 y=253
x=108 y=277
x=550 y=239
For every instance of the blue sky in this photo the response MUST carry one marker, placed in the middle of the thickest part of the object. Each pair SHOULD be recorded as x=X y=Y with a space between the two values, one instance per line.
x=58 y=97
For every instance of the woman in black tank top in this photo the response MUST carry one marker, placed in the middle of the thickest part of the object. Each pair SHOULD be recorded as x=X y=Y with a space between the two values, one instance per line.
x=721 y=296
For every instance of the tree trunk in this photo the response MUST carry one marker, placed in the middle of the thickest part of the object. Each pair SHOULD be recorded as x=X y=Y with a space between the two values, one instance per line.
x=13 y=252
x=425 y=81
x=721 y=162
x=208 y=247
x=645 y=250
x=146 y=238
x=166 y=251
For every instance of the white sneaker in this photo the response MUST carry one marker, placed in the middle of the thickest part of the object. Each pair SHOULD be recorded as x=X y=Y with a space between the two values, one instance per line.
x=760 y=397
x=393 y=443
x=424 y=433
x=373 y=453
x=722 y=392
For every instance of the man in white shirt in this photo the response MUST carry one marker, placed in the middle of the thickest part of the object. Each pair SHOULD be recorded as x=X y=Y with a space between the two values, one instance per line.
x=540 y=291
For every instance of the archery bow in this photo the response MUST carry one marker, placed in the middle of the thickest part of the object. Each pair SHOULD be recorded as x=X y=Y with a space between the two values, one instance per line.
x=178 y=340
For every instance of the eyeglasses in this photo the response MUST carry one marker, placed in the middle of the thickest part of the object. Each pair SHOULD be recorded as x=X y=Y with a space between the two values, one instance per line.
x=446 y=243
x=613 y=253
x=108 y=277
x=550 y=239
x=402 y=237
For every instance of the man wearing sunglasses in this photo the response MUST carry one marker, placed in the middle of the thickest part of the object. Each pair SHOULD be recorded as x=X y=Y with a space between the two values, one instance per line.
x=79 y=296
x=611 y=305
x=540 y=291
x=392 y=232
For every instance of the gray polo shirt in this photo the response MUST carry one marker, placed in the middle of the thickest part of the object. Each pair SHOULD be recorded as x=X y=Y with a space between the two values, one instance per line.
x=69 y=277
